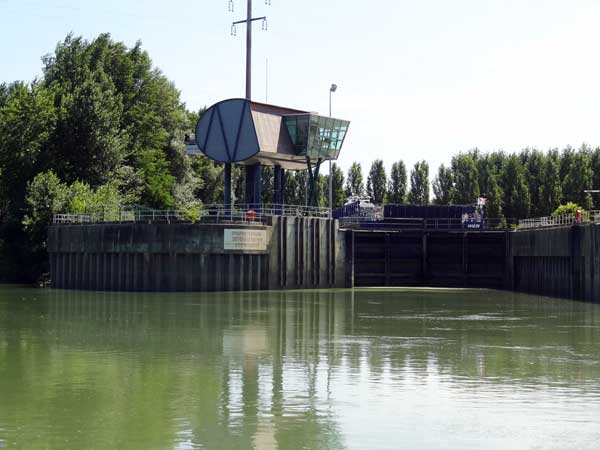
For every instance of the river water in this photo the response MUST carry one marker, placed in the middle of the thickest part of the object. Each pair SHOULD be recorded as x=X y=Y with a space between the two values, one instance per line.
x=363 y=369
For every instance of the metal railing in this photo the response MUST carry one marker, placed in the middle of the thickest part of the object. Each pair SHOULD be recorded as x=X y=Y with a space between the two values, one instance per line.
x=423 y=223
x=560 y=220
x=206 y=214
x=272 y=209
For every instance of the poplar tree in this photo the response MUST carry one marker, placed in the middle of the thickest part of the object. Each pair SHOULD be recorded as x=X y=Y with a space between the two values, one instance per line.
x=578 y=177
x=516 y=193
x=419 y=184
x=355 y=184
x=377 y=182
x=397 y=186
x=466 y=183
x=550 y=193
x=339 y=196
x=443 y=186
x=534 y=172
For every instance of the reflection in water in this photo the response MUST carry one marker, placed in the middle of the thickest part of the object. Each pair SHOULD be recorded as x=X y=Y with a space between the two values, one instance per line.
x=305 y=369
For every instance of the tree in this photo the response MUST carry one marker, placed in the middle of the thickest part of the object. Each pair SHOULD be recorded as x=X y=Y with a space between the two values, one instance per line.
x=295 y=188
x=466 y=183
x=46 y=195
x=514 y=186
x=322 y=193
x=113 y=105
x=27 y=119
x=210 y=174
x=339 y=197
x=158 y=181
x=578 y=177
x=88 y=143
x=419 y=184
x=495 y=203
x=443 y=186
x=397 y=188
x=268 y=183
x=354 y=184
x=377 y=182
x=550 y=190
x=534 y=174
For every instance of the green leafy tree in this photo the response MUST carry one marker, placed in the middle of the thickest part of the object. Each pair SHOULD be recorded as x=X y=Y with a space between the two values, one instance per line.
x=514 y=187
x=323 y=191
x=377 y=182
x=88 y=143
x=46 y=196
x=466 y=183
x=397 y=188
x=158 y=181
x=550 y=190
x=495 y=200
x=355 y=184
x=339 y=196
x=443 y=186
x=295 y=188
x=535 y=163
x=578 y=176
x=27 y=120
x=419 y=184
x=113 y=105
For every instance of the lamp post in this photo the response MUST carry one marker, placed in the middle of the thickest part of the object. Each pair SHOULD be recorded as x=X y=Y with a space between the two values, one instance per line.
x=332 y=89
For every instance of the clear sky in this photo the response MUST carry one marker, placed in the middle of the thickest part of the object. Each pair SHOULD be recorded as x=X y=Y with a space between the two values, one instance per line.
x=418 y=79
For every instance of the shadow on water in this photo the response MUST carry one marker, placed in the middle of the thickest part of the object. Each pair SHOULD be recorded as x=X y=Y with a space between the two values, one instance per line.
x=263 y=369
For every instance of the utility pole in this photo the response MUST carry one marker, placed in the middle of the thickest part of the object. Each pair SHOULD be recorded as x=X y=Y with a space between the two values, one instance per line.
x=255 y=171
x=248 y=22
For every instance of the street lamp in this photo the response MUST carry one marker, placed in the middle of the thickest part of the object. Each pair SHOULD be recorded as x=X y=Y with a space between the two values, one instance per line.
x=332 y=89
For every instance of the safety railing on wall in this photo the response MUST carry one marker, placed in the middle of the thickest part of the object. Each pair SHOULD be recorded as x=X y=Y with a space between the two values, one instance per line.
x=206 y=214
x=272 y=209
x=421 y=223
x=560 y=220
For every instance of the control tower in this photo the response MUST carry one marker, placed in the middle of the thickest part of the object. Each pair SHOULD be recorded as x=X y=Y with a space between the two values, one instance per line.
x=257 y=134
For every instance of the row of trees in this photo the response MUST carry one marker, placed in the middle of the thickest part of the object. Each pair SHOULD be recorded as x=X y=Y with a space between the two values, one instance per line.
x=529 y=183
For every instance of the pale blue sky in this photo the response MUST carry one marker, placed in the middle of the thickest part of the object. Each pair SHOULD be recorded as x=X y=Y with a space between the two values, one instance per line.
x=418 y=79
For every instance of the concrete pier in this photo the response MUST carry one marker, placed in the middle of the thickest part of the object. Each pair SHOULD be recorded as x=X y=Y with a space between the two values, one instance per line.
x=290 y=253
x=299 y=252
x=559 y=262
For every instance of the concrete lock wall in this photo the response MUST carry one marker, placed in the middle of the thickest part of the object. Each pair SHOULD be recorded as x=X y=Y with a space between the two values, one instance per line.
x=289 y=253
x=558 y=262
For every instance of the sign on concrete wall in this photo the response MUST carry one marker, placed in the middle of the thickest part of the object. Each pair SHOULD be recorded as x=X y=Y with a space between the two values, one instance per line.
x=238 y=239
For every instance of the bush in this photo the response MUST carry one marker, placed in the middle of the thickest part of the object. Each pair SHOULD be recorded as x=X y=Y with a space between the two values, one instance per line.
x=569 y=208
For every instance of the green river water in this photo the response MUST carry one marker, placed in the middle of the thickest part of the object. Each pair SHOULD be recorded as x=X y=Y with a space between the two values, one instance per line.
x=363 y=369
